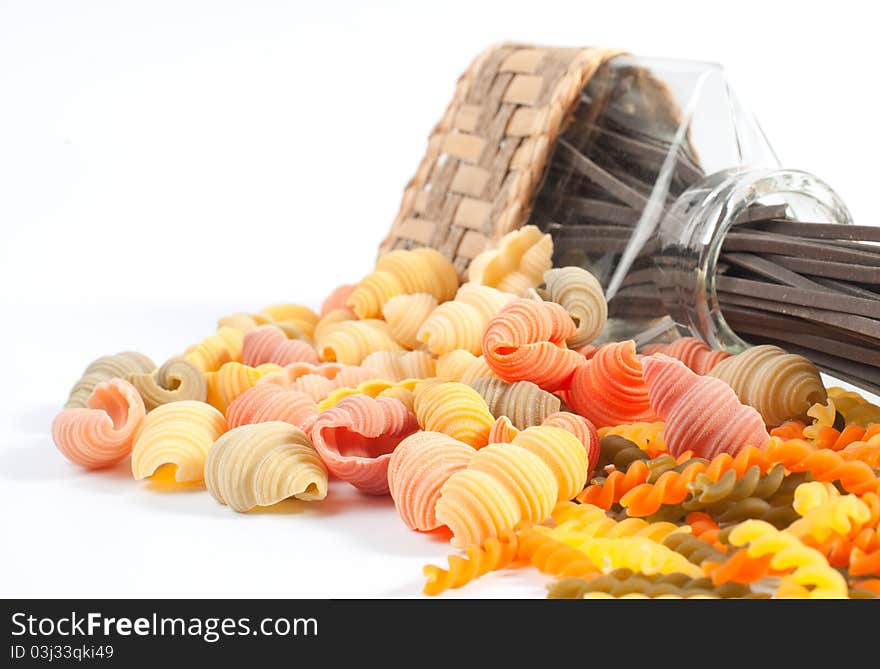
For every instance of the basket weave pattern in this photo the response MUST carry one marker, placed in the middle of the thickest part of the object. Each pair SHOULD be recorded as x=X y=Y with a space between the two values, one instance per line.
x=487 y=154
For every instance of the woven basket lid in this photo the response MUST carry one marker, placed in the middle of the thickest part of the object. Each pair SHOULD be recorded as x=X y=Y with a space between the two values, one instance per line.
x=487 y=155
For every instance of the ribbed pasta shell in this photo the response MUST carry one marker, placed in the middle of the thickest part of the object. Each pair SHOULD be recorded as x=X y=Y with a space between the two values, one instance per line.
x=180 y=434
x=230 y=381
x=270 y=402
x=778 y=384
x=371 y=388
x=405 y=314
x=336 y=300
x=610 y=389
x=475 y=505
x=399 y=365
x=459 y=324
x=522 y=401
x=463 y=366
x=404 y=272
x=352 y=341
x=517 y=264
x=330 y=320
x=216 y=349
x=526 y=476
x=418 y=468
x=562 y=453
x=107 y=367
x=297 y=315
x=355 y=439
x=580 y=294
x=101 y=433
x=695 y=353
x=525 y=341
x=701 y=413
x=581 y=428
x=261 y=465
x=454 y=409
x=269 y=343
x=176 y=380
x=243 y=321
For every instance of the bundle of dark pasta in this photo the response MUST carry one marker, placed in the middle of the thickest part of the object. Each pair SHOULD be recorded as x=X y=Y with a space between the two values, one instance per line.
x=812 y=288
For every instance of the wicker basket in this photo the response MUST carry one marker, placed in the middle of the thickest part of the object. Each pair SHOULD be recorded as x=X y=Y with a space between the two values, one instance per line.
x=488 y=153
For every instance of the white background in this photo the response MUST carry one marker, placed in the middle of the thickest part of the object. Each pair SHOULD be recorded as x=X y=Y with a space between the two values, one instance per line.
x=162 y=163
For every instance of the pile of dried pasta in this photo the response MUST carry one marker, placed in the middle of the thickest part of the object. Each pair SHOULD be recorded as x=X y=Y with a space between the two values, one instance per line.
x=485 y=410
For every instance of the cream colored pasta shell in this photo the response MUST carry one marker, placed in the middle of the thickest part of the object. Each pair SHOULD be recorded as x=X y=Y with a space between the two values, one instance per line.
x=778 y=384
x=524 y=403
x=107 y=367
x=263 y=464
x=459 y=324
x=405 y=315
x=352 y=341
x=330 y=320
x=400 y=365
x=174 y=381
x=462 y=366
x=404 y=272
x=179 y=434
x=580 y=294
x=517 y=264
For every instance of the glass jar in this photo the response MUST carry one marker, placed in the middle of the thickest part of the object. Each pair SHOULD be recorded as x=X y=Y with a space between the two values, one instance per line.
x=656 y=165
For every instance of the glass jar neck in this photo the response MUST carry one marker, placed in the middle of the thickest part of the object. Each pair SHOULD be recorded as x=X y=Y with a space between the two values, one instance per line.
x=693 y=230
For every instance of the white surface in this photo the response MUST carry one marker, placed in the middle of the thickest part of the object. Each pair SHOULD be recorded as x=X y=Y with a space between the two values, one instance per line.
x=69 y=532
x=232 y=154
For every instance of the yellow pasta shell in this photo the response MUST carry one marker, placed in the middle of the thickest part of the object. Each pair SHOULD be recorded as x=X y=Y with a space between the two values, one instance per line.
x=454 y=409
x=180 y=434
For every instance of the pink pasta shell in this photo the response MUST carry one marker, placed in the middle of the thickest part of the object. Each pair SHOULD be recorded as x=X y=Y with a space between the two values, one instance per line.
x=356 y=437
x=269 y=402
x=101 y=434
x=609 y=389
x=695 y=353
x=268 y=343
x=701 y=413
x=502 y=431
x=525 y=341
x=337 y=299
x=418 y=468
